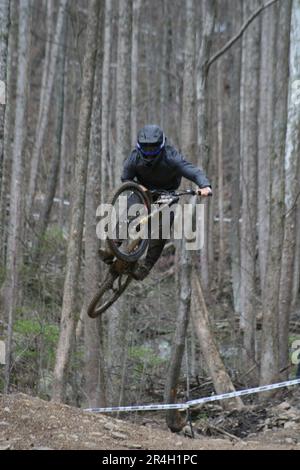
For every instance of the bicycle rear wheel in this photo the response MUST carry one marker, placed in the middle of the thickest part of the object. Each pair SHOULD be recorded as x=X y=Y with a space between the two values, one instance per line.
x=109 y=291
x=126 y=245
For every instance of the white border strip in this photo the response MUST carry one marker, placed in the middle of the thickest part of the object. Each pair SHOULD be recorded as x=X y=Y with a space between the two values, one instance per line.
x=199 y=401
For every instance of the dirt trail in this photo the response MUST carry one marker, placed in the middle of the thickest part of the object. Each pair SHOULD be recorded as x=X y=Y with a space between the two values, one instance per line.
x=31 y=423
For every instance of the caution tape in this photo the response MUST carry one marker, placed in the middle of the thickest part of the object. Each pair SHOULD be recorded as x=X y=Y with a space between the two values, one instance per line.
x=199 y=401
x=248 y=391
x=154 y=407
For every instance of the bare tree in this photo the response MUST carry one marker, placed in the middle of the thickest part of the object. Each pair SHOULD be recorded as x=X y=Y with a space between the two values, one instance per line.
x=165 y=64
x=249 y=131
x=4 y=76
x=118 y=319
x=221 y=380
x=135 y=67
x=14 y=254
x=45 y=97
x=292 y=149
x=67 y=328
x=174 y=419
x=94 y=371
x=296 y=276
x=4 y=18
x=220 y=172
x=232 y=104
x=271 y=285
x=266 y=108
x=64 y=149
x=106 y=76
x=52 y=182
x=123 y=134
x=187 y=142
x=208 y=20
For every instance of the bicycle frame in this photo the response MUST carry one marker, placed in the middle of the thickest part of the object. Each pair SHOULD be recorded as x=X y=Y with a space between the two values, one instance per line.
x=173 y=198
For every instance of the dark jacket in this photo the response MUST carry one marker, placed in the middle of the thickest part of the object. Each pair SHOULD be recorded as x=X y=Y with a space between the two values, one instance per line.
x=162 y=172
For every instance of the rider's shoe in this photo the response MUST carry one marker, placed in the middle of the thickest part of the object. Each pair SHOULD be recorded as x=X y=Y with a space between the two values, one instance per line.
x=106 y=256
x=141 y=271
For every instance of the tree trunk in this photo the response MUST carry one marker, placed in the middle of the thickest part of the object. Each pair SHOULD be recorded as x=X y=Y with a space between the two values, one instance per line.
x=45 y=98
x=106 y=77
x=94 y=370
x=14 y=254
x=271 y=286
x=4 y=105
x=135 y=67
x=174 y=420
x=46 y=64
x=116 y=352
x=208 y=21
x=69 y=307
x=150 y=71
x=249 y=132
x=292 y=149
x=55 y=162
x=118 y=319
x=220 y=173
x=265 y=120
x=233 y=150
x=123 y=132
x=165 y=61
x=4 y=19
x=64 y=143
x=221 y=380
x=296 y=275
x=173 y=417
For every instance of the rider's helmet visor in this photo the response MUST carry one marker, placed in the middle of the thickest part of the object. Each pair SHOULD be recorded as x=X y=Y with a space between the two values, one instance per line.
x=150 y=150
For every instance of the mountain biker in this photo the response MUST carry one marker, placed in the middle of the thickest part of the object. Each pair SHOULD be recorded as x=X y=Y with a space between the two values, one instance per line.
x=155 y=164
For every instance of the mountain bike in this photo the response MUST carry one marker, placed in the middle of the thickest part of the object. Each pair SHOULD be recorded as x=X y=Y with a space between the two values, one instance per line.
x=129 y=249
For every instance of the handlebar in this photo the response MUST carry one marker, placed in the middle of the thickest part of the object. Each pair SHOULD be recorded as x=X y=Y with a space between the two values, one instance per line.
x=191 y=192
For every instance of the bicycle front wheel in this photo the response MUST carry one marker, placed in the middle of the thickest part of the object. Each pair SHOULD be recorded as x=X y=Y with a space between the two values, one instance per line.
x=131 y=205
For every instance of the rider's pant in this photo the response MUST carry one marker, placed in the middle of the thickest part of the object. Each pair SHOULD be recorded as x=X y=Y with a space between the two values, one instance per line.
x=156 y=246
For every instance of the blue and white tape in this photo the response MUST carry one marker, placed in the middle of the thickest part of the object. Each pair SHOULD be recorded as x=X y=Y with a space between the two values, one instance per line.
x=199 y=401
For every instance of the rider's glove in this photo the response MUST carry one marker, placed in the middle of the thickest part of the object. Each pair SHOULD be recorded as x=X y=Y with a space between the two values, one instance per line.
x=207 y=191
